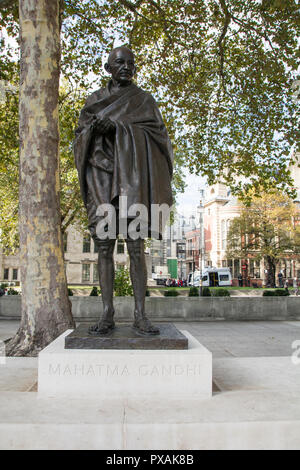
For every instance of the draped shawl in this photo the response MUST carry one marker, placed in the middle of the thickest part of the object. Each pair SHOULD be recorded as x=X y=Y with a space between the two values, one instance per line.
x=137 y=158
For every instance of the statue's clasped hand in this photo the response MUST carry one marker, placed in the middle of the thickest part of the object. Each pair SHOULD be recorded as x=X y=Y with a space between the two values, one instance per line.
x=103 y=126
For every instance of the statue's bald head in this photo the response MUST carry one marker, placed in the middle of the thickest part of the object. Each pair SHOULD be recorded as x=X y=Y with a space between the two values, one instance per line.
x=121 y=49
x=120 y=65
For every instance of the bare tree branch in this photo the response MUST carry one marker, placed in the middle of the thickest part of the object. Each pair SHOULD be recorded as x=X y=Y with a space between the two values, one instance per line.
x=221 y=41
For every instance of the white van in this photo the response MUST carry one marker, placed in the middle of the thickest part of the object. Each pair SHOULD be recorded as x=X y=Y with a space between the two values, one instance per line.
x=211 y=277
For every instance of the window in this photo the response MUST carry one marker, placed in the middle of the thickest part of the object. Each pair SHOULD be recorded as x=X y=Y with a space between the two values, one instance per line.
x=223 y=277
x=15 y=274
x=224 y=263
x=6 y=274
x=204 y=278
x=223 y=234
x=65 y=240
x=86 y=248
x=257 y=270
x=86 y=272
x=229 y=265
x=289 y=268
x=95 y=273
x=120 y=247
x=237 y=269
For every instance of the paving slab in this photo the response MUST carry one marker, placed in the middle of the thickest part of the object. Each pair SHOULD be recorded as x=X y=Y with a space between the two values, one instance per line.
x=265 y=373
x=226 y=339
x=231 y=420
x=245 y=339
x=18 y=374
x=256 y=405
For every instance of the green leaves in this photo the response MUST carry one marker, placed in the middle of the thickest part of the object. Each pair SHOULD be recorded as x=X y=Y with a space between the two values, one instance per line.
x=122 y=285
x=267 y=228
x=222 y=72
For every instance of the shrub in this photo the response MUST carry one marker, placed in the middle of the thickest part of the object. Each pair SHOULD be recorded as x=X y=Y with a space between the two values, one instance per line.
x=268 y=293
x=171 y=293
x=94 y=292
x=12 y=292
x=4 y=285
x=276 y=293
x=123 y=287
x=194 y=292
x=281 y=292
x=70 y=292
x=206 y=292
x=147 y=293
x=221 y=293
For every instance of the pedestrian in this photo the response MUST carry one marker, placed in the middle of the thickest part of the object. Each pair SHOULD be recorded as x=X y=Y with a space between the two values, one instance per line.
x=296 y=286
x=240 y=279
x=280 y=279
x=286 y=285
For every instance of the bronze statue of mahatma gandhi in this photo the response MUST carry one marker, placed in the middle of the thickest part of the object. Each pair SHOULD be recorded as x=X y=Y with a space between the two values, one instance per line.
x=122 y=148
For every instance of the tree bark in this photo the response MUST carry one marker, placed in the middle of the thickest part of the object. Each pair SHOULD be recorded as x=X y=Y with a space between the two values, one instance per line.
x=271 y=272
x=46 y=309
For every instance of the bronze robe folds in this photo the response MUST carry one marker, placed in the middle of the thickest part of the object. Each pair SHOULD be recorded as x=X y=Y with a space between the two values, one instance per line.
x=135 y=161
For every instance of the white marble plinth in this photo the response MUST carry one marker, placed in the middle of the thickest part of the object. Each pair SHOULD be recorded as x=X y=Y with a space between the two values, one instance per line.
x=126 y=374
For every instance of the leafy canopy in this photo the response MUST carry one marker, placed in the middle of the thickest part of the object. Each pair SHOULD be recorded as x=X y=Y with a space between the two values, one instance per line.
x=223 y=73
x=268 y=229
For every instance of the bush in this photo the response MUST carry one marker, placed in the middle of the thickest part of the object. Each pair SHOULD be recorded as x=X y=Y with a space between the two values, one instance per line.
x=123 y=287
x=276 y=293
x=194 y=292
x=281 y=292
x=171 y=293
x=147 y=293
x=221 y=293
x=70 y=292
x=268 y=293
x=4 y=285
x=12 y=292
x=206 y=292
x=94 y=292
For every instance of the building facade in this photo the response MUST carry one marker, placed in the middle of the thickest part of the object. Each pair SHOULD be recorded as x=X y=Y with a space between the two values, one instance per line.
x=220 y=207
x=80 y=255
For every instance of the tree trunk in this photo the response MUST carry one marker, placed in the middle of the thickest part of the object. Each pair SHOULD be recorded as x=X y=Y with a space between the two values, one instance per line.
x=46 y=309
x=271 y=266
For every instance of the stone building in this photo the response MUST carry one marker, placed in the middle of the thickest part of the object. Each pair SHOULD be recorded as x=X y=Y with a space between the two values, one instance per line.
x=220 y=207
x=81 y=257
x=9 y=268
x=80 y=260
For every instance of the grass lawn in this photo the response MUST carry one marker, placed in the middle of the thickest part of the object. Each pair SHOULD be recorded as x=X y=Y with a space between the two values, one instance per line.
x=188 y=288
x=81 y=287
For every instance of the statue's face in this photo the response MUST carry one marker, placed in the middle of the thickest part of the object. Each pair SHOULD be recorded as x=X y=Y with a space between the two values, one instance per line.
x=121 y=66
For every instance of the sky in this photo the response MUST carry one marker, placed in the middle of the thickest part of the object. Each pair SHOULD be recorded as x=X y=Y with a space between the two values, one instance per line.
x=188 y=201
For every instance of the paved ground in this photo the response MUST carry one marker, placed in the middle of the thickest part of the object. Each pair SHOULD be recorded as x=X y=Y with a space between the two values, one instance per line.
x=255 y=405
x=245 y=339
x=227 y=339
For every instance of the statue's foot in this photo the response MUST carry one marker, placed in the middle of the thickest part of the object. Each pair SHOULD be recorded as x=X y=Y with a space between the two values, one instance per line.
x=144 y=326
x=102 y=328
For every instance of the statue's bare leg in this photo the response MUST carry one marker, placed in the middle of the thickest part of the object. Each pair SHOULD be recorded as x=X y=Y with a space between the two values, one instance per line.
x=138 y=274
x=106 y=278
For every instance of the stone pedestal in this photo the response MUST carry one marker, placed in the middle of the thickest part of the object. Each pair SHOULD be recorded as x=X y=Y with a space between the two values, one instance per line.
x=124 y=373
